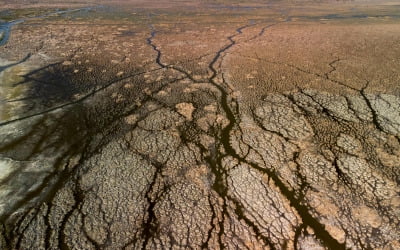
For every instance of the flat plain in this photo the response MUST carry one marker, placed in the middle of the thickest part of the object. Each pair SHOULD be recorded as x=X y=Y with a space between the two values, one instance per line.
x=199 y=125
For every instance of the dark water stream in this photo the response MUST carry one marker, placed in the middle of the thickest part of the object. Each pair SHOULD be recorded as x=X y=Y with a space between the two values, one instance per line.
x=5 y=30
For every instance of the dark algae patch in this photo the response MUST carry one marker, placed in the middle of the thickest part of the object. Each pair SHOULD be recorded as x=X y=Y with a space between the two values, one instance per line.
x=200 y=125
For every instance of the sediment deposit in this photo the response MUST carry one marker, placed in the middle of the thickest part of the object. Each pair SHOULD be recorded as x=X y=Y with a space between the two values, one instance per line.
x=201 y=125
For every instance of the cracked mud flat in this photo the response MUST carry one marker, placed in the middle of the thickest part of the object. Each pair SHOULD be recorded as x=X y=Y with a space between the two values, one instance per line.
x=176 y=126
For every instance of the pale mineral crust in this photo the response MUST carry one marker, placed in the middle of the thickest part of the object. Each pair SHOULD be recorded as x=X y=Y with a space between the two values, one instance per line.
x=200 y=125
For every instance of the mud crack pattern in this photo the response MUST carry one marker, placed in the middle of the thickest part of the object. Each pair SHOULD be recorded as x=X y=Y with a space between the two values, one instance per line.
x=172 y=153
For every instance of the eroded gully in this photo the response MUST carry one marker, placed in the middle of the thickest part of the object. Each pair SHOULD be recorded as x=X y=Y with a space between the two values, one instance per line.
x=215 y=160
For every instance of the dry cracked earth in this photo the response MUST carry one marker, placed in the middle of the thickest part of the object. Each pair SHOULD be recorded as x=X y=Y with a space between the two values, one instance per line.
x=200 y=125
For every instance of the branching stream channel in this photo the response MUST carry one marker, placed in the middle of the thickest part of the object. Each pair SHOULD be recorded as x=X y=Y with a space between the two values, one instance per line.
x=128 y=129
